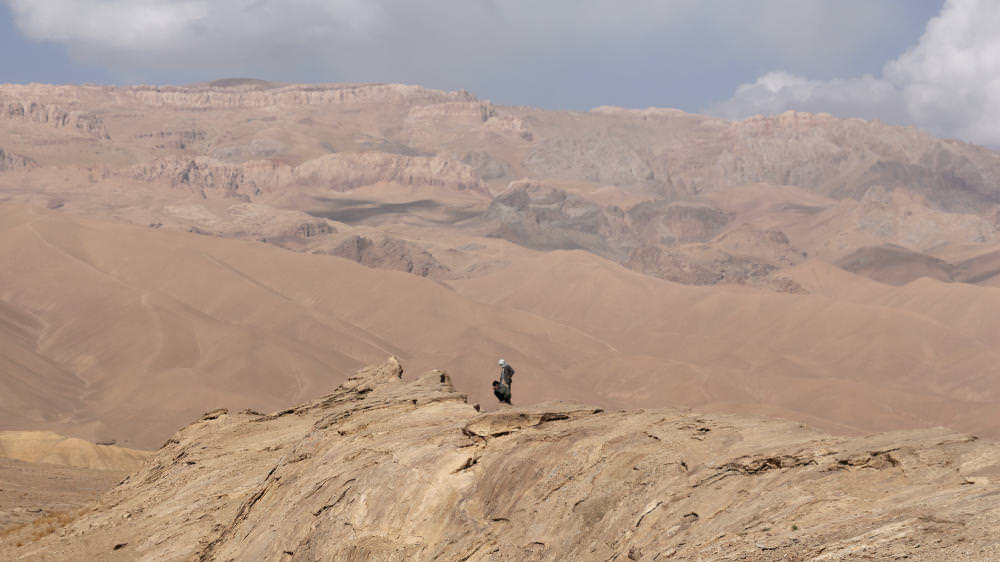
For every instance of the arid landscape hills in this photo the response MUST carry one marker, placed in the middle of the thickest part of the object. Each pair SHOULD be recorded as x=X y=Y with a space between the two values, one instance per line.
x=168 y=251
x=393 y=175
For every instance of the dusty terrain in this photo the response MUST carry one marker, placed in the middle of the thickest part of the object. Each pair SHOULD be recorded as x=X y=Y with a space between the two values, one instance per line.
x=156 y=327
x=554 y=481
x=46 y=478
x=168 y=251
x=47 y=495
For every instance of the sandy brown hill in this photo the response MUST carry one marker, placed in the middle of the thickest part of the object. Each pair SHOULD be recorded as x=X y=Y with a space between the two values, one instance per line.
x=34 y=389
x=50 y=448
x=390 y=470
x=140 y=329
x=858 y=351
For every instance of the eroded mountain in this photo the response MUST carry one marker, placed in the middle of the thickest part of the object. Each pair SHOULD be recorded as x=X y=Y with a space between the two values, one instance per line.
x=650 y=189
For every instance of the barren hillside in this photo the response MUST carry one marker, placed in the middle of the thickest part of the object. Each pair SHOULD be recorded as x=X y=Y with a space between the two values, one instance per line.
x=239 y=246
x=132 y=330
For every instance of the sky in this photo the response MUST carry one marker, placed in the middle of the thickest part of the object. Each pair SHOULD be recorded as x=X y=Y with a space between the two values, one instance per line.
x=934 y=64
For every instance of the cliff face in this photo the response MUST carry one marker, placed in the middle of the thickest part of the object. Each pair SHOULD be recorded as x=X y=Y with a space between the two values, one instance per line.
x=335 y=172
x=680 y=155
x=540 y=216
x=342 y=172
x=255 y=95
x=10 y=161
x=390 y=470
x=53 y=116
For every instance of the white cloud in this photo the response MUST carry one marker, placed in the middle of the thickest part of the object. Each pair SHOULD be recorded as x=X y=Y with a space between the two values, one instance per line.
x=949 y=83
x=133 y=21
x=177 y=33
x=557 y=53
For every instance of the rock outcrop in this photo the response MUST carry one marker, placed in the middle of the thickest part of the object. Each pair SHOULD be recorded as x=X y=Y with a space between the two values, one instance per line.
x=253 y=95
x=458 y=113
x=209 y=176
x=10 y=161
x=345 y=171
x=684 y=242
x=900 y=217
x=670 y=223
x=676 y=155
x=53 y=116
x=387 y=252
x=544 y=217
x=387 y=469
x=335 y=172
x=699 y=264
x=291 y=229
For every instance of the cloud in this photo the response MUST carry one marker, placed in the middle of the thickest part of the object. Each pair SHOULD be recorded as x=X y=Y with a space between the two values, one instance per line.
x=558 y=53
x=948 y=84
x=136 y=21
x=195 y=34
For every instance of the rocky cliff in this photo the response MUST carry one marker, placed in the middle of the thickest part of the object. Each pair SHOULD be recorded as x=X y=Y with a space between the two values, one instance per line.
x=390 y=253
x=335 y=172
x=677 y=155
x=53 y=116
x=392 y=469
x=255 y=94
x=10 y=161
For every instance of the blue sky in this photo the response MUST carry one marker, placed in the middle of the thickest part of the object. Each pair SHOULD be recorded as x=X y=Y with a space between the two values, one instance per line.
x=884 y=59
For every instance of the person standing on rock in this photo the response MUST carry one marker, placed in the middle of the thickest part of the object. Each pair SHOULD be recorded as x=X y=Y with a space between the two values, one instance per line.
x=506 y=373
x=501 y=391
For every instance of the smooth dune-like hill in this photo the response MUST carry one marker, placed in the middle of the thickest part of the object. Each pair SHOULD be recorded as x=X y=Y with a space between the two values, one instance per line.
x=140 y=329
x=860 y=356
x=152 y=327
x=50 y=448
x=400 y=467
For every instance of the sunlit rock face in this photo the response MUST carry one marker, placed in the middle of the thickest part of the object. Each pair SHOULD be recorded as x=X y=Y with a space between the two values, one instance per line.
x=393 y=466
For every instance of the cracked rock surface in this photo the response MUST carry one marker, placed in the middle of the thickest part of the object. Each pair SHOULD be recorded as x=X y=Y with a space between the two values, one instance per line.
x=389 y=467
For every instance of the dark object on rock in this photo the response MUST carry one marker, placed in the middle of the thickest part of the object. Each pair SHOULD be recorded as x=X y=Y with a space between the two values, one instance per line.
x=501 y=391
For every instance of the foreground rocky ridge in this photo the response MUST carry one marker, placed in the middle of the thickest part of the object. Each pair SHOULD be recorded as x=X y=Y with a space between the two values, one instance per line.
x=390 y=470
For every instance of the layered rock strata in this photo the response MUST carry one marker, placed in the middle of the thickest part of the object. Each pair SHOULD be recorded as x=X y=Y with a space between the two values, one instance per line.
x=388 y=469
